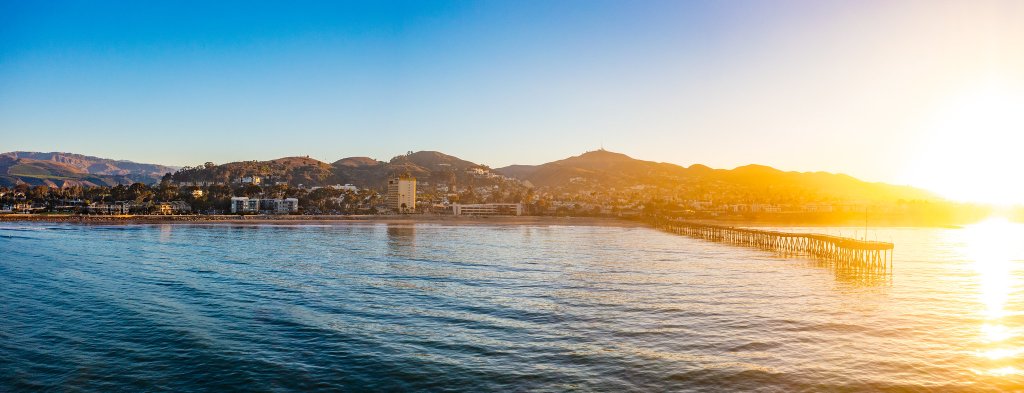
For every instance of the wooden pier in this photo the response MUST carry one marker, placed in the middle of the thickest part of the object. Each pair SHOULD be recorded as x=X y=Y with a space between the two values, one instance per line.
x=873 y=255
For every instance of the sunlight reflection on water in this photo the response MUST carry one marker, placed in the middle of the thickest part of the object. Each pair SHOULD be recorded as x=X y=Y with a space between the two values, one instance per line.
x=989 y=245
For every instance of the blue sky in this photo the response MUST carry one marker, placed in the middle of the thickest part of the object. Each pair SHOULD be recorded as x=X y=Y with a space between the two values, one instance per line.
x=797 y=85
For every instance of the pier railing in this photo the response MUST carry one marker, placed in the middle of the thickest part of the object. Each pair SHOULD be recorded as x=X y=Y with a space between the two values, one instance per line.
x=843 y=250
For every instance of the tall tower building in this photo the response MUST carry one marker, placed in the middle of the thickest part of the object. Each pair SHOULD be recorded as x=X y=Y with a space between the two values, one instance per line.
x=402 y=194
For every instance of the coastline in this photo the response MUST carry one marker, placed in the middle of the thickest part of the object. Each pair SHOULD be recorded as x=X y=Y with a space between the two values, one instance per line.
x=432 y=219
x=319 y=220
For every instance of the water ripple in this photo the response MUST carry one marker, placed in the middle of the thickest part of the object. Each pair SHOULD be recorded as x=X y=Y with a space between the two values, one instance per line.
x=487 y=308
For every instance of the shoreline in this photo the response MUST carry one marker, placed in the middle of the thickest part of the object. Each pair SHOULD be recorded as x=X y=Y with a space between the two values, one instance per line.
x=319 y=220
x=427 y=219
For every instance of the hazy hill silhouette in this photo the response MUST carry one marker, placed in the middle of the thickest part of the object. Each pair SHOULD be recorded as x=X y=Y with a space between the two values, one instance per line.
x=751 y=182
x=56 y=169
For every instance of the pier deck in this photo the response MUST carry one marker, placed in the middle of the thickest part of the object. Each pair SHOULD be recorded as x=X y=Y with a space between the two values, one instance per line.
x=871 y=254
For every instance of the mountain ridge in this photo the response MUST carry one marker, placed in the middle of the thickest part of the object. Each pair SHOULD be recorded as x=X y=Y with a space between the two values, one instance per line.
x=743 y=183
x=593 y=169
x=62 y=169
x=429 y=166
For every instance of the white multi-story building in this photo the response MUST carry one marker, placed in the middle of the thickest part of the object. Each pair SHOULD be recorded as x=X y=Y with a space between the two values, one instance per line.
x=282 y=206
x=402 y=194
x=488 y=209
x=245 y=205
x=256 y=205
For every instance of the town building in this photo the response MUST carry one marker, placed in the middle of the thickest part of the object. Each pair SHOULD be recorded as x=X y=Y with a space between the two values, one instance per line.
x=254 y=180
x=200 y=183
x=109 y=208
x=478 y=172
x=280 y=206
x=765 y=208
x=266 y=206
x=488 y=209
x=175 y=207
x=163 y=208
x=402 y=194
x=245 y=205
x=818 y=207
x=346 y=187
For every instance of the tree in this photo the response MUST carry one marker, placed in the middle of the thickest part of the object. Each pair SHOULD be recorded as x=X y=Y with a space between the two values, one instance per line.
x=277 y=191
x=140 y=192
x=250 y=191
x=167 y=192
x=39 y=193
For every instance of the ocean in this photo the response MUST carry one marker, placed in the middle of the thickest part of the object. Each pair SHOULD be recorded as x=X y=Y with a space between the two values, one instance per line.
x=435 y=307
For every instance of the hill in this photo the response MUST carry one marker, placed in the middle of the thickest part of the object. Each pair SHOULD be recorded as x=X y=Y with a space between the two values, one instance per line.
x=595 y=171
x=603 y=169
x=427 y=166
x=291 y=170
x=597 y=167
x=57 y=169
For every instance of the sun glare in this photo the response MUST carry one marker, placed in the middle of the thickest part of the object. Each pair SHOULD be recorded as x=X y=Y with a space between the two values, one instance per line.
x=971 y=147
x=988 y=247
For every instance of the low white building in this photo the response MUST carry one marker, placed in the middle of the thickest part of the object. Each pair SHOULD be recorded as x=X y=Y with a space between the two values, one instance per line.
x=818 y=207
x=269 y=206
x=254 y=180
x=488 y=209
x=109 y=208
x=347 y=187
x=700 y=205
x=476 y=171
x=765 y=208
x=200 y=183
x=283 y=206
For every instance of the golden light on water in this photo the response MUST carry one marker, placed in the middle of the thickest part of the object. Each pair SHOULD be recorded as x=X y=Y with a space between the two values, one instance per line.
x=995 y=333
x=989 y=245
x=1002 y=353
x=1004 y=371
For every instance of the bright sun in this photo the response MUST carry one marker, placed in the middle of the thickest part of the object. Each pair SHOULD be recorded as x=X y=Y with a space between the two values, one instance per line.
x=973 y=149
